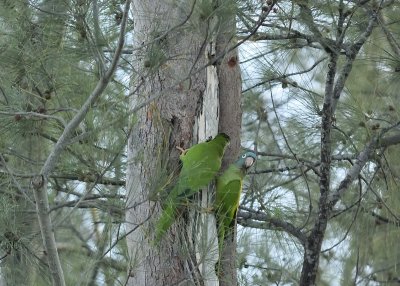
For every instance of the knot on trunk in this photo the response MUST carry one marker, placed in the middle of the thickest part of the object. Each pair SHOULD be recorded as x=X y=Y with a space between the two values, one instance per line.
x=37 y=182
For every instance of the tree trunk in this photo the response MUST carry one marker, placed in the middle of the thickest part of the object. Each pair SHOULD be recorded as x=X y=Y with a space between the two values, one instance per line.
x=230 y=90
x=168 y=62
x=180 y=106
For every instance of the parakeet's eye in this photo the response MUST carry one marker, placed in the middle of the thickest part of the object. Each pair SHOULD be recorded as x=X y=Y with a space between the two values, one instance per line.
x=244 y=156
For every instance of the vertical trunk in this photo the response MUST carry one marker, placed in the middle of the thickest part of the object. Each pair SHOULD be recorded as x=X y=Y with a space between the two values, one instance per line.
x=172 y=44
x=167 y=62
x=230 y=81
x=313 y=245
x=230 y=89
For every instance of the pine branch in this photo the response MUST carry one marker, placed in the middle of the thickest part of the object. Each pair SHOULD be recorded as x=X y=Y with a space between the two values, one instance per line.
x=285 y=76
x=307 y=18
x=40 y=182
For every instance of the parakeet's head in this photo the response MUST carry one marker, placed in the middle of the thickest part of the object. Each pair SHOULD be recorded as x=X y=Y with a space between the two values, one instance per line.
x=246 y=160
x=224 y=137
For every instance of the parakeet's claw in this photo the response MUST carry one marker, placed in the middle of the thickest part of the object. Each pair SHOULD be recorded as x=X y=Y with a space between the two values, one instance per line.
x=183 y=151
x=217 y=269
x=208 y=210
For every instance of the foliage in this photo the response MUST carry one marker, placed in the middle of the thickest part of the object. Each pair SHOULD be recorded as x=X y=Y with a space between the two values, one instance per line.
x=286 y=87
x=320 y=89
x=52 y=55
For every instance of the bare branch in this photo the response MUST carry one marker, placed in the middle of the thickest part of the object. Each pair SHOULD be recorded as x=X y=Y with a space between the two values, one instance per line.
x=247 y=217
x=362 y=159
x=389 y=141
x=389 y=36
x=91 y=178
x=351 y=53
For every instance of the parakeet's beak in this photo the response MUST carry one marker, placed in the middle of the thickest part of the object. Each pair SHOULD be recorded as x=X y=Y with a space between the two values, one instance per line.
x=249 y=161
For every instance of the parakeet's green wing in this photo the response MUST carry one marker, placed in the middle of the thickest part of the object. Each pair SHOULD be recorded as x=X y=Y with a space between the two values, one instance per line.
x=227 y=201
x=200 y=163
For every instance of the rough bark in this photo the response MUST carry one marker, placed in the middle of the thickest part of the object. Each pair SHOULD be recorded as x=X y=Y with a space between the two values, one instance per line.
x=180 y=106
x=314 y=241
x=161 y=125
x=230 y=84
x=230 y=89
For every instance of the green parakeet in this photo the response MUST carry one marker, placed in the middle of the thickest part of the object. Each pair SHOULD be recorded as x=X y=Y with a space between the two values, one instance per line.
x=200 y=163
x=229 y=188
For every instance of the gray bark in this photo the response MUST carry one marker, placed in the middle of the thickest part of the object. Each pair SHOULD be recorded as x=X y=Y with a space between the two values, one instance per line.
x=163 y=123
x=334 y=85
x=230 y=89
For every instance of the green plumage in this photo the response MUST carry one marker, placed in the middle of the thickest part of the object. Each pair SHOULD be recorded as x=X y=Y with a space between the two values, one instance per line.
x=200 y=163
x=229 y=188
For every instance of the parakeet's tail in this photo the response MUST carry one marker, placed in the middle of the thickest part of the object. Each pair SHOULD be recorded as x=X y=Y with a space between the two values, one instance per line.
x=165 y=221
x=226 y=232
x=224 y=227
